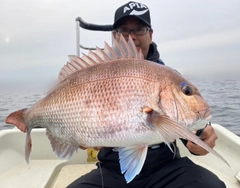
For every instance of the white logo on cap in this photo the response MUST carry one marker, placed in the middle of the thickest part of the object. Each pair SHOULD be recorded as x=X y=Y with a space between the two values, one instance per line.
x=135 y=12
x=135 y=5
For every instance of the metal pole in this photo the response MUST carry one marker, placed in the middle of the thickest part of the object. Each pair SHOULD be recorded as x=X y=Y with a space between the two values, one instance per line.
x=77 y=38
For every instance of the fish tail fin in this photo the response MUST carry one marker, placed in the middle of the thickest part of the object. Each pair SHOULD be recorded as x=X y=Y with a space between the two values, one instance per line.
x=16 y=118
x=171 y=130
x=28 y=146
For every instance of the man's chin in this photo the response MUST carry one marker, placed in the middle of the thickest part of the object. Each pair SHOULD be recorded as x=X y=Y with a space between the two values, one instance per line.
x=138 y=47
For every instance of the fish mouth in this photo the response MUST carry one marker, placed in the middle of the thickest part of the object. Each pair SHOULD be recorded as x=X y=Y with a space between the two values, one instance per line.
x=202 y=119
x=205 y=114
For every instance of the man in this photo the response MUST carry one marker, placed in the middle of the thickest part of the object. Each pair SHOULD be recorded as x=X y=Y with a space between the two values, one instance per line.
x=162 y=168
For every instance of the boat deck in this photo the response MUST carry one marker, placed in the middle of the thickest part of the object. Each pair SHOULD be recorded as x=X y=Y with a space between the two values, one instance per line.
x=43 y=173
x=45 y=170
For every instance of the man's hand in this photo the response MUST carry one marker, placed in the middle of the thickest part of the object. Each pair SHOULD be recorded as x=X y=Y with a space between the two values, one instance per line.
x=208 y=136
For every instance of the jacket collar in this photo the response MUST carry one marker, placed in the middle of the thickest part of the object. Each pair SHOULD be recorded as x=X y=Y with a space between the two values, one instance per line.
x=153 y=54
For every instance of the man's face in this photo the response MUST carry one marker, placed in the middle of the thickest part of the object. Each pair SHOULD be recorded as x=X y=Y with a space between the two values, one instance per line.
x=141 y=42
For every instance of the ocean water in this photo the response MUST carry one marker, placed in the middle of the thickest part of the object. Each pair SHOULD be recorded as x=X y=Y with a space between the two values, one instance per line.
x=12 y=100
x=223 y=96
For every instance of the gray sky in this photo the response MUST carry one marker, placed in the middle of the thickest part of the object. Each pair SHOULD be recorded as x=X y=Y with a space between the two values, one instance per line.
x=195 y=37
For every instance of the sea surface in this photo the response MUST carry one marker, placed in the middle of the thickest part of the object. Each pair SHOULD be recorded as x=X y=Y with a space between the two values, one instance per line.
x=223 y=96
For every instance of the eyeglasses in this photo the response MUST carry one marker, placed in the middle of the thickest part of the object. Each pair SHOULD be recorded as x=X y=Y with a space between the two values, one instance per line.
x=139 y=31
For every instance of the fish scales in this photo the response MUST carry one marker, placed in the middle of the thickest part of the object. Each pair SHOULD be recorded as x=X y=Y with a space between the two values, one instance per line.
x=97 y=105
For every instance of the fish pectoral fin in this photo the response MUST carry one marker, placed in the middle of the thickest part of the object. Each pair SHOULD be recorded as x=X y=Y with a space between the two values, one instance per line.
x=132 y=160
x=171 y=130
x=63 y=150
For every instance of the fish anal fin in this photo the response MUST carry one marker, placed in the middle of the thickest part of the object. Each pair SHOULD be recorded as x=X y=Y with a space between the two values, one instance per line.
x=171 y=130
x=17 y=119
x=62 y=149
x=132 y=160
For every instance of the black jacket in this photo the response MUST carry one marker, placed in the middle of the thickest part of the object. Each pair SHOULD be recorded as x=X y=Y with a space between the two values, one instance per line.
x=153 y=54
x=157 y=155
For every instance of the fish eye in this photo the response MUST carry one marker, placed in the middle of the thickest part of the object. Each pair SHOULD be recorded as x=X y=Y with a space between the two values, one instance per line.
x=186 y=89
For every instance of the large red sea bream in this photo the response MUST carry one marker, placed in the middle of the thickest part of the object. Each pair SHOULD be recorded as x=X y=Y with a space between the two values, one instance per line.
x=115 y=98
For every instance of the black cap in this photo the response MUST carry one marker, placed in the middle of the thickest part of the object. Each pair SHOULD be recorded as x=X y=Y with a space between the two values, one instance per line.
x=133 y=9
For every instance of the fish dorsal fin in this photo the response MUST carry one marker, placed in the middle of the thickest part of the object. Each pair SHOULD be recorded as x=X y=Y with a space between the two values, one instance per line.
x=75 y=63
x=120 y=50
x=95 y=57
x=133 y=49
x=125 y=46
x=89 y=60
x=125 y=49
x=102 y=54
x=110 y=52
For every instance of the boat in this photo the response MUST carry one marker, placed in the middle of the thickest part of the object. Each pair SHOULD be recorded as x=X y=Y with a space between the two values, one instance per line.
x=46 y=170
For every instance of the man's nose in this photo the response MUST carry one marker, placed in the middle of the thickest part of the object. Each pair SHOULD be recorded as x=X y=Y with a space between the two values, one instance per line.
x=132 y=35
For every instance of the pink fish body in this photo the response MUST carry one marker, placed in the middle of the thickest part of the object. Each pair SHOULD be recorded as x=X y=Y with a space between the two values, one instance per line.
x=115 y=98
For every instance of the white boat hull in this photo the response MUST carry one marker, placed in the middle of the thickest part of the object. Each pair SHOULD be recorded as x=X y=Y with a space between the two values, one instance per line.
x=45 y=170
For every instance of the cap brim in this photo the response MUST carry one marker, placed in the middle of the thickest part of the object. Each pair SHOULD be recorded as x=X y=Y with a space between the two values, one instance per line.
x=116 y=23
